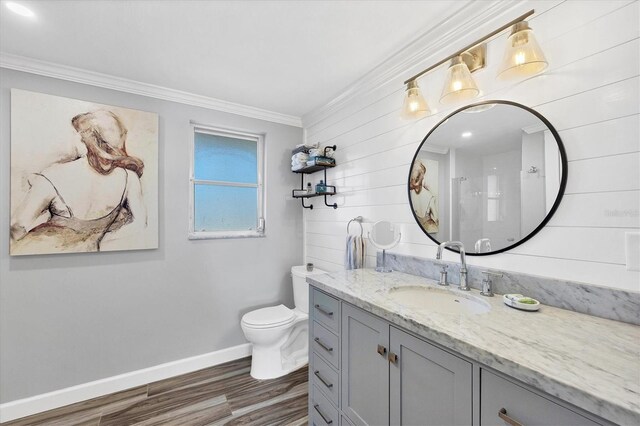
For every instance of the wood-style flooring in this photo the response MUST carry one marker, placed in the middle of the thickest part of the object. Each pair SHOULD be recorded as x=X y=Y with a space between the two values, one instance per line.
x=222 y=395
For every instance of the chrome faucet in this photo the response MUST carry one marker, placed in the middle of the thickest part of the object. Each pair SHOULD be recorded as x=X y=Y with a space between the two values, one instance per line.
x=463 y=261
x=487 y=282
x=483 y=243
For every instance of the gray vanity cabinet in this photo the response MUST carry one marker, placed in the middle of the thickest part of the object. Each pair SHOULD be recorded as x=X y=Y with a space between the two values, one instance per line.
x=392 y=377
x=365 y=370
x=503 y=400
x=429 y=386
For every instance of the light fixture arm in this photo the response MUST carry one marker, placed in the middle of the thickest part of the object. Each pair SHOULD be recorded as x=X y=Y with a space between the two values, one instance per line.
x=472 y=45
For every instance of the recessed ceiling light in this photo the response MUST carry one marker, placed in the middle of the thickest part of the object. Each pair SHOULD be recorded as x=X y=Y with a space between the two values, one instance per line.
x=466 y=135
x=20 y=9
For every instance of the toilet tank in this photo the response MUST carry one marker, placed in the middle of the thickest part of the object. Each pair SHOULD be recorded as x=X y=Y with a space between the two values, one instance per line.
x=299 y=276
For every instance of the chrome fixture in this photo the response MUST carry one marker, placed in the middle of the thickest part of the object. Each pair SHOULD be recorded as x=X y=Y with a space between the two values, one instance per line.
x=443 y=274
x=482 y=244
x=463 y=261
x=358 y=220
x=487 y=284
x=523 y=57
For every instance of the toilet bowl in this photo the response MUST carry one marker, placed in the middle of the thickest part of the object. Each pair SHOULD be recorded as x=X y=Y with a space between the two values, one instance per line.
x=279 y=335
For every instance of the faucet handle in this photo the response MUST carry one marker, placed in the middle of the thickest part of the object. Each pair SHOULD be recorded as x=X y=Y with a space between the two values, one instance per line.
x=487 y=287
x=442 y=265
x=443 y=273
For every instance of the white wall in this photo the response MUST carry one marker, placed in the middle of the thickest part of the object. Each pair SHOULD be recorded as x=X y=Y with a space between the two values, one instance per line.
x=74 y=318
x=590 y=93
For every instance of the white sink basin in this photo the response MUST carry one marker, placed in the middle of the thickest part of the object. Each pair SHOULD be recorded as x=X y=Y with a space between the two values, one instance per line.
x=437 y=300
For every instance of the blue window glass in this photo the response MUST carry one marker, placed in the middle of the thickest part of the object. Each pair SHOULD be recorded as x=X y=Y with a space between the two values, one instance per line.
x=225 y=208
x=220 y=158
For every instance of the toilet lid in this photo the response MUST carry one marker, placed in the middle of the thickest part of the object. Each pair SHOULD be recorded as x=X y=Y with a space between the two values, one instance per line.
x=269 y=317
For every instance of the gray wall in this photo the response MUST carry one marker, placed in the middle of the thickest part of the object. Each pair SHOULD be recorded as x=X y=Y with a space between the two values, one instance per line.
x=71 y=319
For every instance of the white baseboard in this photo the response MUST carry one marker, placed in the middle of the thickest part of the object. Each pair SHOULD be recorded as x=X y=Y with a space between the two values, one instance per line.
x=48 y=401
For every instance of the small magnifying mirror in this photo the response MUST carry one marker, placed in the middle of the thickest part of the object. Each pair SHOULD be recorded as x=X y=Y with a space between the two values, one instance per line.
x=384 y=236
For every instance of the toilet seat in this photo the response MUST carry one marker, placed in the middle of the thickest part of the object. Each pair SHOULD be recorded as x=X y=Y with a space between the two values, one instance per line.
x=273 y=316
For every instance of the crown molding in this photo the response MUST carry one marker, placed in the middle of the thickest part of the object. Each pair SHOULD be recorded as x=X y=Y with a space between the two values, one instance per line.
x=534 y=128
x=435 y=149
x=78 y=75
x=449 y=35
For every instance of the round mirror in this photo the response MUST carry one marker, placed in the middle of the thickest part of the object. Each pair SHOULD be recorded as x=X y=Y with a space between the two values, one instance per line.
x=384 y=236
x=490 y=175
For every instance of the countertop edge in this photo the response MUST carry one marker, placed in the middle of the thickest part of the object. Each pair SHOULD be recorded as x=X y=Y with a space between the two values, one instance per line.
x=593 y=404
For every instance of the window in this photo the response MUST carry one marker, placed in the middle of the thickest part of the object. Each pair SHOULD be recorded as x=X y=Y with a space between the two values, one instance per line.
x=226 y=184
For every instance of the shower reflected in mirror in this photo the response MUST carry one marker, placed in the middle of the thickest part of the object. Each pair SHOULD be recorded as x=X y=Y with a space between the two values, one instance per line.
x=490 y=175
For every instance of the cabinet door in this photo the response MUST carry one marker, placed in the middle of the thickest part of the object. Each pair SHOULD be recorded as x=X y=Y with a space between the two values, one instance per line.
x=365 y=369
x=524 y=406
x=429 y=386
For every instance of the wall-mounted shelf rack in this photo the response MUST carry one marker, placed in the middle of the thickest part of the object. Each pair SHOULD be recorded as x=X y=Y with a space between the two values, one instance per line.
x=312 y=169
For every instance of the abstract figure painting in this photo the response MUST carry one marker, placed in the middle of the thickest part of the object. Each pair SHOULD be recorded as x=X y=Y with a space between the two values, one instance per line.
x=84 y=176
x=424 y=190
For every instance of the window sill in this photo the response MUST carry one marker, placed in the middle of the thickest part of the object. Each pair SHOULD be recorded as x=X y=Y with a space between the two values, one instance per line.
x=225 y=235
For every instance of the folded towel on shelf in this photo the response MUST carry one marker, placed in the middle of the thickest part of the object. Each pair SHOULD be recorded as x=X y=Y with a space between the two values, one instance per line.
x=303 y=148
x=354 y=254
x=300 y=156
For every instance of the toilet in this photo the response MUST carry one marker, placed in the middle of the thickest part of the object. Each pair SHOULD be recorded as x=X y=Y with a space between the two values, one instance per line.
x=279 y=335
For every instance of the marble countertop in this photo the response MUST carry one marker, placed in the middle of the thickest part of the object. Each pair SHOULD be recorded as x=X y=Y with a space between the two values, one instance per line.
x=590 y=362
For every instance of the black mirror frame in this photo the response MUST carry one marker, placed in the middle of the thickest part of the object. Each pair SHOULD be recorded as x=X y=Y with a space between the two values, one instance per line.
x=563 y=179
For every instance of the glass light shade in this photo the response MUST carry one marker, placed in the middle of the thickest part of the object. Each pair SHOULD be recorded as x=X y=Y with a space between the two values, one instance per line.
x=459 y=85
x=523 y=56
x=414 y=105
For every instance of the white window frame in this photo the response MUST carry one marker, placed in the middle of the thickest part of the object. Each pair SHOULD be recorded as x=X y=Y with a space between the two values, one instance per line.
x=260 y=185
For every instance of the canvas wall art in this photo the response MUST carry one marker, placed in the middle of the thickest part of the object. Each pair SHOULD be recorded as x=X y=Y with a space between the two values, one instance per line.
x=424 y=189
x=84 y=176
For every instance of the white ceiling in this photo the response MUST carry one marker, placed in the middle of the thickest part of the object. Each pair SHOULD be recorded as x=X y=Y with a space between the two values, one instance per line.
x=496 y=130
x=283 y=56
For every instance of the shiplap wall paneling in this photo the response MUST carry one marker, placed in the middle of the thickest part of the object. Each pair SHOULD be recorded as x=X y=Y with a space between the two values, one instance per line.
x=589 y=93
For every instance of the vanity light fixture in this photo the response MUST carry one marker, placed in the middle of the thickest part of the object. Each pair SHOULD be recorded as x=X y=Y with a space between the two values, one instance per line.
x=20 y=9
x=523 y=57
x=414 y=105
x=459 y=85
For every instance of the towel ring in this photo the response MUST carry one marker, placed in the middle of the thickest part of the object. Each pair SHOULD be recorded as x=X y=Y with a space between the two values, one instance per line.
x=357 y=219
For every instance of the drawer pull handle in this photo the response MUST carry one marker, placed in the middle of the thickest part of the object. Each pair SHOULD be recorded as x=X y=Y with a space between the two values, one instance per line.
x=503 y=415
x=327 y=421
x=382 y=350
x=322 y=345
x=324 y=310
x=324 y=382
x=393 y=358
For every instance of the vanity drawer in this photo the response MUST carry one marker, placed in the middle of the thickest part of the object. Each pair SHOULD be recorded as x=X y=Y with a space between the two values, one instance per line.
x=326 y=310
x=326 y=344
x=322 y=412
x=325 y=378
x=521 y=405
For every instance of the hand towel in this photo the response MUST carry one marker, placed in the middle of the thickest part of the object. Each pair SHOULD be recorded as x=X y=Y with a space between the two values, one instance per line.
x=354 y=253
